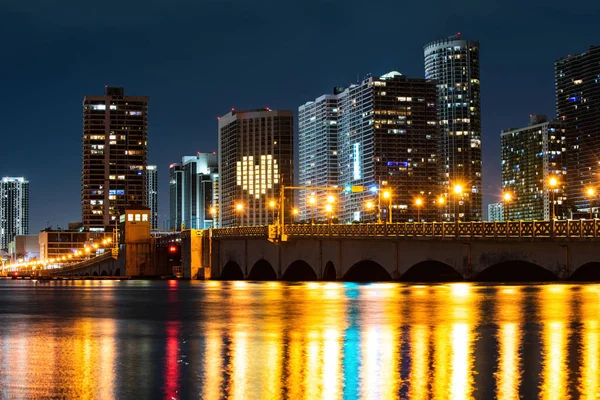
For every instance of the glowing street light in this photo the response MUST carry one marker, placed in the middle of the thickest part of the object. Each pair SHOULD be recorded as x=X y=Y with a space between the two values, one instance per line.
x=329 y=209
x=272 y=205
x=419 y=203
x=330 y=199
x=553 y=182
x=507 y=197
x=441 y=201
x=295 y=213
x=312 y=201
x=386 y=194
x=458 y=191
x=239 y=208
x=591 y=193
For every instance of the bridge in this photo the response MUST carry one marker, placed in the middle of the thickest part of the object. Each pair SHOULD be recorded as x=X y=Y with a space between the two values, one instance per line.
x=485 y=251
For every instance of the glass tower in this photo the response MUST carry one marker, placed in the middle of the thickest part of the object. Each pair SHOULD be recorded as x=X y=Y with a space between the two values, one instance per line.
x=530 y=157
x=14 y=209
x=577 y=80
x=453 y=64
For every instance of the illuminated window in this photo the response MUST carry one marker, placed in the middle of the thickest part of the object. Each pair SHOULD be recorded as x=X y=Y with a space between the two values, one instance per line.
x=138 y=217
x=130 y=217
x=144 y=217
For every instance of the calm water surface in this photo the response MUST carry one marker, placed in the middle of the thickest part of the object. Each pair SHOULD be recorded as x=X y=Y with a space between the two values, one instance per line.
x=213 y=340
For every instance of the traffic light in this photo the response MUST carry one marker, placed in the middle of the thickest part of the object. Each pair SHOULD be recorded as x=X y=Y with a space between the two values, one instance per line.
x=172 y=249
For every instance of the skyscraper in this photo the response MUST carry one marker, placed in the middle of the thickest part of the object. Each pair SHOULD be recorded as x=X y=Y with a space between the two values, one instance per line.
x=152 y=196
x=192 y=194
x=14 y=209
x=317 y=151
x=453 y=64
x=531 y=156
x=115 y=131
x=387 y=140
x=577 y=80
x=175 y=196
x=496 y=212
x=255 y=158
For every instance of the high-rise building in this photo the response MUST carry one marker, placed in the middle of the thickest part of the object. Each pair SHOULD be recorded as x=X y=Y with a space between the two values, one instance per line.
x=115 y=134
x=191 y=192
x=496 y=212
x=175 y=196
x=531 y=157
x=387 y=140
x=14 y=209
x=577 y=79
x=453 y=64
x=317 y=152
x=152 y=196
x=255 y=158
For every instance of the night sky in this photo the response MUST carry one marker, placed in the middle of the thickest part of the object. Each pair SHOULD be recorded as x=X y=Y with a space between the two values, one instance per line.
x=197 y=59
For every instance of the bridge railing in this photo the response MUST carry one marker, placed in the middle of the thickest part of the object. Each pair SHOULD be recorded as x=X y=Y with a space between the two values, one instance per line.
x=84 y=264
x=574 y=229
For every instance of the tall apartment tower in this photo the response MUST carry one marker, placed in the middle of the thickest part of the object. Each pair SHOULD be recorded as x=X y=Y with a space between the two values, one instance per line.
x=387 y=139
x=115 y=134
x=531 y=156
x=152 y=196
x=192 y=191
x=175 y=196
x=317 y=152
x=453 y=64
x=255 y=158
x=577 y=79
x=14 y=209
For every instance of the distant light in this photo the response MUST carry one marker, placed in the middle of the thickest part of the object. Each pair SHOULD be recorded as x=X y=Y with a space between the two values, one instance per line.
x=172 y=249
x=373 y=189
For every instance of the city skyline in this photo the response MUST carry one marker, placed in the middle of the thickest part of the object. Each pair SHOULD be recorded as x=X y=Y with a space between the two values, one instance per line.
x=176 y=128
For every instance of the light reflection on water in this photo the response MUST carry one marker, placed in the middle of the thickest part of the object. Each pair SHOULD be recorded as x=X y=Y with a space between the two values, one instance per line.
x=274 y=340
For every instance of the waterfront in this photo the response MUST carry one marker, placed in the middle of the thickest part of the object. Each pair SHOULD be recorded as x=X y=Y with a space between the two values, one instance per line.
x=270 y=340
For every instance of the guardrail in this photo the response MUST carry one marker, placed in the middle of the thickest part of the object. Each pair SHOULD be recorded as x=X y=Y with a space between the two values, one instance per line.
x=573 y=229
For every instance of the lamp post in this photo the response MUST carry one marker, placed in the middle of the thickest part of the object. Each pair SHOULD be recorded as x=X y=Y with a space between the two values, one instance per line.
x=239 y=208
x=312 y=201
x=369 y=205
x=272 y=205
x=295 y=213
x=388 y=195
x=553 y=182
x=591 y=193
x=441 y=202
x=507 y=197
x=419 y=203
x=458 y=191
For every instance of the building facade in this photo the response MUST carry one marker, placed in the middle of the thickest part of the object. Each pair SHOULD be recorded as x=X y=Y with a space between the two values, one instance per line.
x=531 y=156
x=496 y=212
x=453 y=64
x=255 y=158
x=317 y=153
x=387 y=141
x=14 y=209
x=577 y=85
x=152 y=196
x=54 y=244
x=192 y=191
x=115 y=134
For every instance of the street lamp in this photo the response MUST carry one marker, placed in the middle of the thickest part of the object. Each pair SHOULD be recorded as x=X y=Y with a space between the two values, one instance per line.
x=312 y=201
x=295 y=213
x=441 y=201
x=388 y=195
x=369 y=205
x=272 y=205
x=507 y=197
x=419 y=203
x=458 y=191
x=553 y=182
x=239 y=208
x=591 y=193
x=329 y=209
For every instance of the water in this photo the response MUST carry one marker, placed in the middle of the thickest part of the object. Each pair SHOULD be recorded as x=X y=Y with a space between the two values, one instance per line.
x=212 y=340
